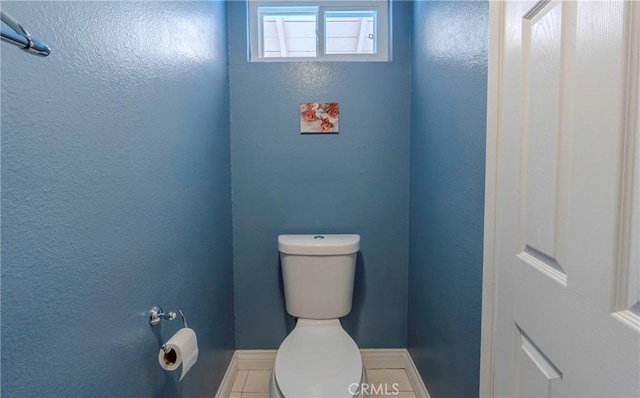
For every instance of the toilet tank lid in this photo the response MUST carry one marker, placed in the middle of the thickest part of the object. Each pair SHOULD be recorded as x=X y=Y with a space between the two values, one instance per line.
x=319 y=244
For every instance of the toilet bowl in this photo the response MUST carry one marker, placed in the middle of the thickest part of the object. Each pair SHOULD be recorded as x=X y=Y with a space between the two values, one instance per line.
x=318 y=358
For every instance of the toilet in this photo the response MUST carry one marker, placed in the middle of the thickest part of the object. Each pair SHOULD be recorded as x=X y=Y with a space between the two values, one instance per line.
x=318 y=358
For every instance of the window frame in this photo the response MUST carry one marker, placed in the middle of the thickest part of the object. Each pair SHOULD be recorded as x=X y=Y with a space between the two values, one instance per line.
x=383 y=29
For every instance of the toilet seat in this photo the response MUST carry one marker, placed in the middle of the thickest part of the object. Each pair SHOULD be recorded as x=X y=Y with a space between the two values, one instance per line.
x=318 y=359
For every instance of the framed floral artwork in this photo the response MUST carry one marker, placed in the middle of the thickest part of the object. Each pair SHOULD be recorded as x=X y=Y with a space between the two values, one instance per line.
x=319 y=118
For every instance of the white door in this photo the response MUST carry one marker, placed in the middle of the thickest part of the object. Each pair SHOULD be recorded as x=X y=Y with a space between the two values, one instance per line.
x=567 y=276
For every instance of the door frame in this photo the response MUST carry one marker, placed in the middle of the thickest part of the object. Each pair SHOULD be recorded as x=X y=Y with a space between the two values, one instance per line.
x=494 y=102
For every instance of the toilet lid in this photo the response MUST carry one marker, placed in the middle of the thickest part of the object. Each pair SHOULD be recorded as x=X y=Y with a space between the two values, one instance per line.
x=318 y=359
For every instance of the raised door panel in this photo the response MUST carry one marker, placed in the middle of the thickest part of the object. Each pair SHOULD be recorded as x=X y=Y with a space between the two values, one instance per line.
x=596 y=152
x=537 y=376
x=542 y=173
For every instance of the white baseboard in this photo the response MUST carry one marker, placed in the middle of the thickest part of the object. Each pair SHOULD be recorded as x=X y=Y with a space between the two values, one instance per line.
x=229 y=376
x=393 y=358
x=256 y=359
x=419 y=388
x=383 y=358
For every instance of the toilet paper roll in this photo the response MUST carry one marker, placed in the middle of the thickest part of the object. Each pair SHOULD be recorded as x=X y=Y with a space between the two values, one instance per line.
x=181 y=349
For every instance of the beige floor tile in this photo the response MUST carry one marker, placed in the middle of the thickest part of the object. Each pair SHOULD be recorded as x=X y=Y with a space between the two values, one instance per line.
x=257 y=381
x=235 y=395
x=389 y=377
x=254 y=395
x=238 y=383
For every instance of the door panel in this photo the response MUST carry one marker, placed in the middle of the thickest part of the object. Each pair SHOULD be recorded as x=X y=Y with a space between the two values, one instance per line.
x=541 y=179
x=629 y=272
x=537 y=375
x=598 y=128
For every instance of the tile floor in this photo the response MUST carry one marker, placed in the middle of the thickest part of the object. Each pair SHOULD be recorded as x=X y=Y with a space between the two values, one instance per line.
x=255 y=383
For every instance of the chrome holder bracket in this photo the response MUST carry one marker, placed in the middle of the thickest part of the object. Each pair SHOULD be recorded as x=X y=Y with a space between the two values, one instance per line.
x=156 y=314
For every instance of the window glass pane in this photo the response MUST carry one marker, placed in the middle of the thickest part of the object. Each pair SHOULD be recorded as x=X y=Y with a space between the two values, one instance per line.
x=288 y=31
x=350 y=32
x=318 y=30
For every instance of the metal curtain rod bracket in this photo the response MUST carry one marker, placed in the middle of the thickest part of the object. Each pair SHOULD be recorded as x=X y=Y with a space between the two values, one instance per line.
x=20 y=37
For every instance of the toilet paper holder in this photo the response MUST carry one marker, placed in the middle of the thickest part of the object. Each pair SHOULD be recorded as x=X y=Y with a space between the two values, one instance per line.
x=156 y=314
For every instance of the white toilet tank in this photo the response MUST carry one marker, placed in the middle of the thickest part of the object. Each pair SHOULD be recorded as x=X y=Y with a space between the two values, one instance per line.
x=318 y=272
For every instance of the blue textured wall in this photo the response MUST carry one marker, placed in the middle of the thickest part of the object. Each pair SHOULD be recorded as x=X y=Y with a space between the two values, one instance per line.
x=115 y=197
x=447 y=193
x=353 y=182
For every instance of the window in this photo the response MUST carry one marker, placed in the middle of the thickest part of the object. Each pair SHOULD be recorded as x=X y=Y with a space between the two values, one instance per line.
x=318 y=31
